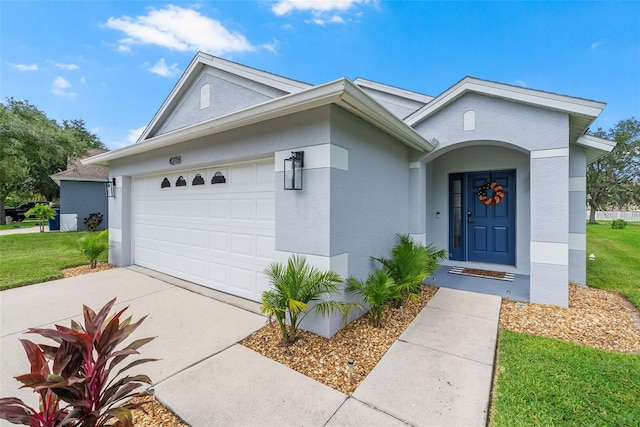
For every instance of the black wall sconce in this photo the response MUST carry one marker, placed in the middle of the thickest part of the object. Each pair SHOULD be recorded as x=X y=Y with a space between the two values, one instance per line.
x=293 y=171
x=110 y=188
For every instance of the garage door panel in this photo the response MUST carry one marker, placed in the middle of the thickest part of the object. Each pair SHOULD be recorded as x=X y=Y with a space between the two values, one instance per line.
x=217 y=235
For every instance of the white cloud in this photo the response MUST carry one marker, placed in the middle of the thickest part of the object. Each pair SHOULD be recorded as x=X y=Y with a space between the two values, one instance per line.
x=62 y=66
x=134 y=134
x=24 y=67
x=83 y=80
x=61 y=86
x=284 y=7
x=180 y=29
x=596 y=45
x=162 y=69
x=335 y=19
x=521 y=83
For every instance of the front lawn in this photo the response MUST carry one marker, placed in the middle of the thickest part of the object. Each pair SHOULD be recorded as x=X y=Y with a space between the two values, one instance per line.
x=38 y=257
x=617 y=260
x=547 y=382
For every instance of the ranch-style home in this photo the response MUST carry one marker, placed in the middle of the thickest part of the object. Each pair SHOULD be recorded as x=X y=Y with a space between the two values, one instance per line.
x=241 y=167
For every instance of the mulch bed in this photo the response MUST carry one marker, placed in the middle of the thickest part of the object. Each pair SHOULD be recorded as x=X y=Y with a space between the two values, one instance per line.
x=594 y=318
x=86 y=269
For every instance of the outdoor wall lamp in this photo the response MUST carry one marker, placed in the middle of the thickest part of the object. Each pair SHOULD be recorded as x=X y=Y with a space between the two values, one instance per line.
x=110 y=188
x=293 y=171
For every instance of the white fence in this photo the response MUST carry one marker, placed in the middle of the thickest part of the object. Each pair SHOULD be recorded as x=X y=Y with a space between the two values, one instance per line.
x=610 y=216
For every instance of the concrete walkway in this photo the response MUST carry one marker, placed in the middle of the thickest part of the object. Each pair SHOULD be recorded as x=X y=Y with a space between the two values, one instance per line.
x=34 y=229
x=437 y=373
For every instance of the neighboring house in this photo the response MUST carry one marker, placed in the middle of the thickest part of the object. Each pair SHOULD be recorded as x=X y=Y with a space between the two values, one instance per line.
x=201 y=195
x=82 y=192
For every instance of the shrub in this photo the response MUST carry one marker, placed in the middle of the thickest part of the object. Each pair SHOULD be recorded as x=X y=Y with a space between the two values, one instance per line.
x=618 y=224
x=377 y=291
x=409 y=265
x=41 y=213
x=93 y=245
x=93 y=221
x=294 y=287
x=76 y=379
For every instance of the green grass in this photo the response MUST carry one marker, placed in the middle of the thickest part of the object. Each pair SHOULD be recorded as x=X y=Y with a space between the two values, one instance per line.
x=20 y=224
x=38 y=257
x=548 y=382
x=617 y=263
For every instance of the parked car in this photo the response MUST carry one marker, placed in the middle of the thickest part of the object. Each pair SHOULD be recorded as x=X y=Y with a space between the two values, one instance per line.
x=17 y=213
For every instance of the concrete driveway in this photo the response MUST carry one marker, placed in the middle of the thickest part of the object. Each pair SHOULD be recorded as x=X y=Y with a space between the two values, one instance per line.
x=437 y=373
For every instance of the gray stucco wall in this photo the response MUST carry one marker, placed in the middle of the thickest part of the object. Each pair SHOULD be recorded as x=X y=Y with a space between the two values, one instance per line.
x=227 y=93
x=370 y=202
x=83 y=198
x=544 y=136
x=577 y=223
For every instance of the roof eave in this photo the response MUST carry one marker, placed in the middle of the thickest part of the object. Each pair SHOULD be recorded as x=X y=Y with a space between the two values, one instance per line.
x=340 y=92
x=518 y=94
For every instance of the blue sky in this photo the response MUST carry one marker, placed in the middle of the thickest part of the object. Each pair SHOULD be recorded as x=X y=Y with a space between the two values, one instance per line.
x=113 y=63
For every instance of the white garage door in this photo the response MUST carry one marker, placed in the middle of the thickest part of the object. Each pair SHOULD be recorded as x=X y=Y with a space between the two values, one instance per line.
x=213 y=226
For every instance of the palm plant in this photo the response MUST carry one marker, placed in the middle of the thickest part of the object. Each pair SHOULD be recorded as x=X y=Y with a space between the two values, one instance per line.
x=409 y=265
x=377 y=291
x=92 y=246
x=294 y=287
x=41 y=213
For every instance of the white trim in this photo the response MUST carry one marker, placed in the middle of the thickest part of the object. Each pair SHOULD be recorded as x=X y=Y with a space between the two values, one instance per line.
x=401 y=93
x=414 y=165
x=115 y=235
x=578 y=241
x=58 y=179
x=601 y=144
x=419 y=238
x=317 y=157
x=550 y=253
x=340 y=92
x=513 y=93
x=554 y=152
x=578 y=183
x=337 y=263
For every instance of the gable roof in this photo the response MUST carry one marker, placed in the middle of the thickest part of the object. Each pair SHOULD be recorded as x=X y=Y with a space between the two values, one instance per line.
x=202 y=60
x=342 y=93
x=77 y=171
x=582 y=112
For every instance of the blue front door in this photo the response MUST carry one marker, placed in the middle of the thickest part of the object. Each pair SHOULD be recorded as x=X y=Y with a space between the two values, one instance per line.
x=482 y=220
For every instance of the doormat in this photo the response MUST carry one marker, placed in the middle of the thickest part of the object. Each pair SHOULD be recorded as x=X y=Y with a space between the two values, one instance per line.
x=485 y=274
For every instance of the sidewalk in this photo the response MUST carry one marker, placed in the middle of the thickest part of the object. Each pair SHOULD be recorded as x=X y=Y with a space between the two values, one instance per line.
x=438 y=373
x=34 y=229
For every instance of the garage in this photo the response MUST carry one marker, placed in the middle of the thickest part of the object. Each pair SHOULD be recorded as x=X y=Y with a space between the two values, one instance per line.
x=214 y=226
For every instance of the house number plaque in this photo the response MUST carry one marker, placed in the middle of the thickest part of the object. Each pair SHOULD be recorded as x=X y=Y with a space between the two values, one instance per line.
x=176 y=160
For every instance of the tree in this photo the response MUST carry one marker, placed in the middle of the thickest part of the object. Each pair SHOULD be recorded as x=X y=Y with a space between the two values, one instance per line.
x=614 y=179
x=41 y=213
x=33 y=147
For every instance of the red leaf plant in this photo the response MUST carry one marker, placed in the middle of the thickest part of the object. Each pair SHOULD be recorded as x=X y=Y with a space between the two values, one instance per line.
x=76 y=380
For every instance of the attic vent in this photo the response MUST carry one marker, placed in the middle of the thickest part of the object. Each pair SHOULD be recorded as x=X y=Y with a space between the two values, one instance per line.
x=218 y=178
x=181 y=182
x=198 y=180
x=165 y=183
x=205 y=96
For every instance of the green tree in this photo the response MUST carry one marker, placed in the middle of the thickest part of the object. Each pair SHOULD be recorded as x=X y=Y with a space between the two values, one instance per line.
x=41 y=213
x=614 y=179
x=33 y=147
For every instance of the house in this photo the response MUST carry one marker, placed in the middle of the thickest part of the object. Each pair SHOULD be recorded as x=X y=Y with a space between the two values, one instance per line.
x=82 y=192
x=494 y=173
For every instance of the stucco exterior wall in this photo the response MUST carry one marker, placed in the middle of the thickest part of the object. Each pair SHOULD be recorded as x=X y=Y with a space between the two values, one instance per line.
x=83 y=198
x=577 y=223
x=227 y=93
x=543 y=134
